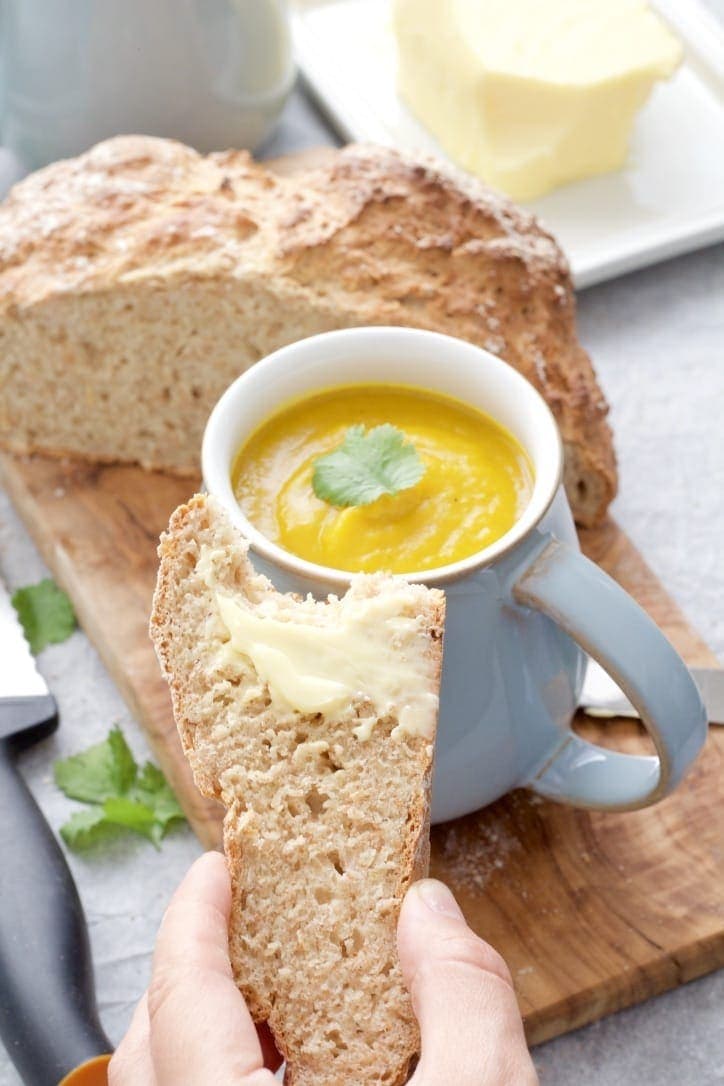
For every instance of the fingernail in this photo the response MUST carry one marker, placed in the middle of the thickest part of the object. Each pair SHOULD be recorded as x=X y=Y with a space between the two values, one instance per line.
x=438 y=898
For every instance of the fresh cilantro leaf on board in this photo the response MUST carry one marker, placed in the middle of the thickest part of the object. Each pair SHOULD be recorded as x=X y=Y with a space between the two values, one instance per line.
x=106 y=769
x=86 y=828
x=121 y=795
x=367 y=465
x=45 y=612
x=135 y=816
x=153 y=789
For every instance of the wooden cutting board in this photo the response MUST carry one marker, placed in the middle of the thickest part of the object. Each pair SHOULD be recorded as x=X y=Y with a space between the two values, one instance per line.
x=593 y=912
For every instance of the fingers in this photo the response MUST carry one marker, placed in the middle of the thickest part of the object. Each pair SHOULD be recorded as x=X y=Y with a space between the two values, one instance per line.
x=131 y=1064
x=463 y=997
x=201 y=1030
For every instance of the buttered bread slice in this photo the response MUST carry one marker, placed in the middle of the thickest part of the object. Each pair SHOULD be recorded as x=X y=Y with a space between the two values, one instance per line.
x=313 y=723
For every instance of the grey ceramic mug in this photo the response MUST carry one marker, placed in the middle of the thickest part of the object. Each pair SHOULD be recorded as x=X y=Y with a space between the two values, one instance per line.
x=521 y=614
x=211 y=73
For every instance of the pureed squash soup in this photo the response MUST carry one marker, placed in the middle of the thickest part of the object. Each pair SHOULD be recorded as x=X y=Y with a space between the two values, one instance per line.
x=464 y=479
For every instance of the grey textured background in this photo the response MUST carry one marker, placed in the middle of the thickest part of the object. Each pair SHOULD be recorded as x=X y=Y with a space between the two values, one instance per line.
x=657 y=339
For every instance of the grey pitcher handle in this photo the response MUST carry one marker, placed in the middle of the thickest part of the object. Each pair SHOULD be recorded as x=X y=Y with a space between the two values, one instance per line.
x=611 y=627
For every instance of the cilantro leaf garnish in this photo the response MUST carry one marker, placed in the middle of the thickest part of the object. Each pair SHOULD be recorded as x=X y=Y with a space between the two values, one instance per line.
x=367 y=465
x=121 y=796
x=45 y=612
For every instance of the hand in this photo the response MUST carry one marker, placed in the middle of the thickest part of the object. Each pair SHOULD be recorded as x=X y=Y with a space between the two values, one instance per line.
x=462 y=995
x=192 y=1026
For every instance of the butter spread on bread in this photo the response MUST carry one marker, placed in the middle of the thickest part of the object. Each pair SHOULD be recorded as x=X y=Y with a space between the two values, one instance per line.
x=324 y=831
x=371 y=653
x=138 y=280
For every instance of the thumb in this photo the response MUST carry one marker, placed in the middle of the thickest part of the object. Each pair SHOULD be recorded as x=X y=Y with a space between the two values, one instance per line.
x=462 y=995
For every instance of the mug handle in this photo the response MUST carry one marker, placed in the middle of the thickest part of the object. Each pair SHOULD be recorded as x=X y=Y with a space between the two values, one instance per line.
x=611 y=627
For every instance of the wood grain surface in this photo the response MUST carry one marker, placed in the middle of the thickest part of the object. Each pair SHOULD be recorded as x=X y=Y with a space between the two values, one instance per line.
x=593 y=912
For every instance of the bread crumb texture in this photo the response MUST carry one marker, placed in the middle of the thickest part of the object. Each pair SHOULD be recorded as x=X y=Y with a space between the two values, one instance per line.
x=323 y=831
x=139 y=279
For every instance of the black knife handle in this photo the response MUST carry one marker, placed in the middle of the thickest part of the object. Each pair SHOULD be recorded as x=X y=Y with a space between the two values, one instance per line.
x=48 y=1015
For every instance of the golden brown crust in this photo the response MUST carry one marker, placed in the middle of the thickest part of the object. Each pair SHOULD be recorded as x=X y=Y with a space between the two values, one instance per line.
x=130 y=208
x=367 y=237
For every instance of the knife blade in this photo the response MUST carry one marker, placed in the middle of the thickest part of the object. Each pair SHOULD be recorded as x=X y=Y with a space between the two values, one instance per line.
x=19 y=677
x=601 y=697
x=48 y=1016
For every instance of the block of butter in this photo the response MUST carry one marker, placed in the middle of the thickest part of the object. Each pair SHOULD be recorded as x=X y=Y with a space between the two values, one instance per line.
x=531 y=94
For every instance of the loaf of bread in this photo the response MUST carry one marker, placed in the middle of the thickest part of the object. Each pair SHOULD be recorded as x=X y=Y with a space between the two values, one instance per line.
x=327 y=816
x=138 y=280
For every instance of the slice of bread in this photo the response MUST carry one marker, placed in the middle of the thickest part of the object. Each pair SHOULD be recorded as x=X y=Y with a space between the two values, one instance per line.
x=139 y=279
x=324 y=829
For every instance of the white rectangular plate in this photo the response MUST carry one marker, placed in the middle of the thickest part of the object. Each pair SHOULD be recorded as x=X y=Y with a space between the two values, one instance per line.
x=668 y=199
